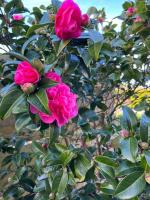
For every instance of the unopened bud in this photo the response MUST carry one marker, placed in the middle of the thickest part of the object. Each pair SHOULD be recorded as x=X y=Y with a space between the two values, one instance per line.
x=100 y=19
x=28 y=88
x=147 y=178
x=124 y=133
x=138 y=19
x=45 y=145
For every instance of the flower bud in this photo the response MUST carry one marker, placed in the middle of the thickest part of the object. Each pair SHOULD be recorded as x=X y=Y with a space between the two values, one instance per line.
x=17 y=17
x=45 y=145
x=138 y=19
x=147 y=178
x=124 y=133
x=143 y=145
x=28 y=88
x=100 y=19
x=85 y=19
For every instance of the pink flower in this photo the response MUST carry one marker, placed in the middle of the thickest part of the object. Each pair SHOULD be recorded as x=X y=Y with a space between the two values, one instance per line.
x=25 y=73
x=124 y=133
x=138 y=19
x=85 y=19
x=68 y=20
x=17 y=17
x=53 y=76
x=62 y=104
x=131 y=10
x=101 y=19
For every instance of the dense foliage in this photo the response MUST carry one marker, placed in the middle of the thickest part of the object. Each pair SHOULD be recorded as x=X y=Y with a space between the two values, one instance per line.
x=89 y=153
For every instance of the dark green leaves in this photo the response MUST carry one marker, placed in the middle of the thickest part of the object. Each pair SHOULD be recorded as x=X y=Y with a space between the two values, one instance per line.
x=8 y=101
x=145 y=128
x=131 y=186
x=40 y=101
x=129 y=120
x=106 y=160
x=129 y=149
x=34 y=28
x=60 y=182
x=81 y=166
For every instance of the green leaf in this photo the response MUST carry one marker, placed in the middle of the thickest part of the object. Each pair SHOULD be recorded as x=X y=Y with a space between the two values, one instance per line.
x=129 y=119
x=22 y=121
x=85 y=56
x=34 y=28
x=95 y=36
x=37 y=147
x=60 y=182
x=40 y=101
x=60 y=147
x=145 y=128
x=147 y=157
x=8 y=102
x=31 y=39
x=62 y=45
x=94 y=50
x=107 y=161
x=126 y=167
x=129 y=149
x=108 y=173
x=18 y=56
x=19 y=144
x=66 y=157
x=81 y=166
x=131 y=186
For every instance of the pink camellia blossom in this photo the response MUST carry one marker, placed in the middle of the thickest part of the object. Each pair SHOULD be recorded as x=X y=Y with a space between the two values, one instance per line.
x=124 y=133
x=17 y=17
x=130 y=11
x=138 y=19
x=53 y=76
x=61 y=101
x=25 y=73
x=68 y=20
x=85 y=19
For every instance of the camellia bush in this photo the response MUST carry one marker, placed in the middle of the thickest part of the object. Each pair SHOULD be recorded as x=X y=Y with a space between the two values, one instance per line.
x=64 y=76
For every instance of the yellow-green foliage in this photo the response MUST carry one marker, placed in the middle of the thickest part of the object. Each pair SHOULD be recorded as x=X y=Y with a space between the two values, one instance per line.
x=140 y=96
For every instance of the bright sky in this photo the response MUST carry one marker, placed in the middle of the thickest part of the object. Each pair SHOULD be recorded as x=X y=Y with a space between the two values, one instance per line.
x=113 y=7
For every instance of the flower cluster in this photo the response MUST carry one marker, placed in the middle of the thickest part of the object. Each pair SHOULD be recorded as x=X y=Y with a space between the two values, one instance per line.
x=62 y=102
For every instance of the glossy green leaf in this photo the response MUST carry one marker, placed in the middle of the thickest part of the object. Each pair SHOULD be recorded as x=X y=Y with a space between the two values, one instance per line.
x=145 y=128
x=60 y=182
x=29 y=41
x=8 y=101
x=129 y=120
x=62 y=45
x=34 y=28
x=147 y=157
x=106 y=160
x=130 y=186
x=129 y=149
x=37 y=147
x=81 y=166
x=39 y=100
